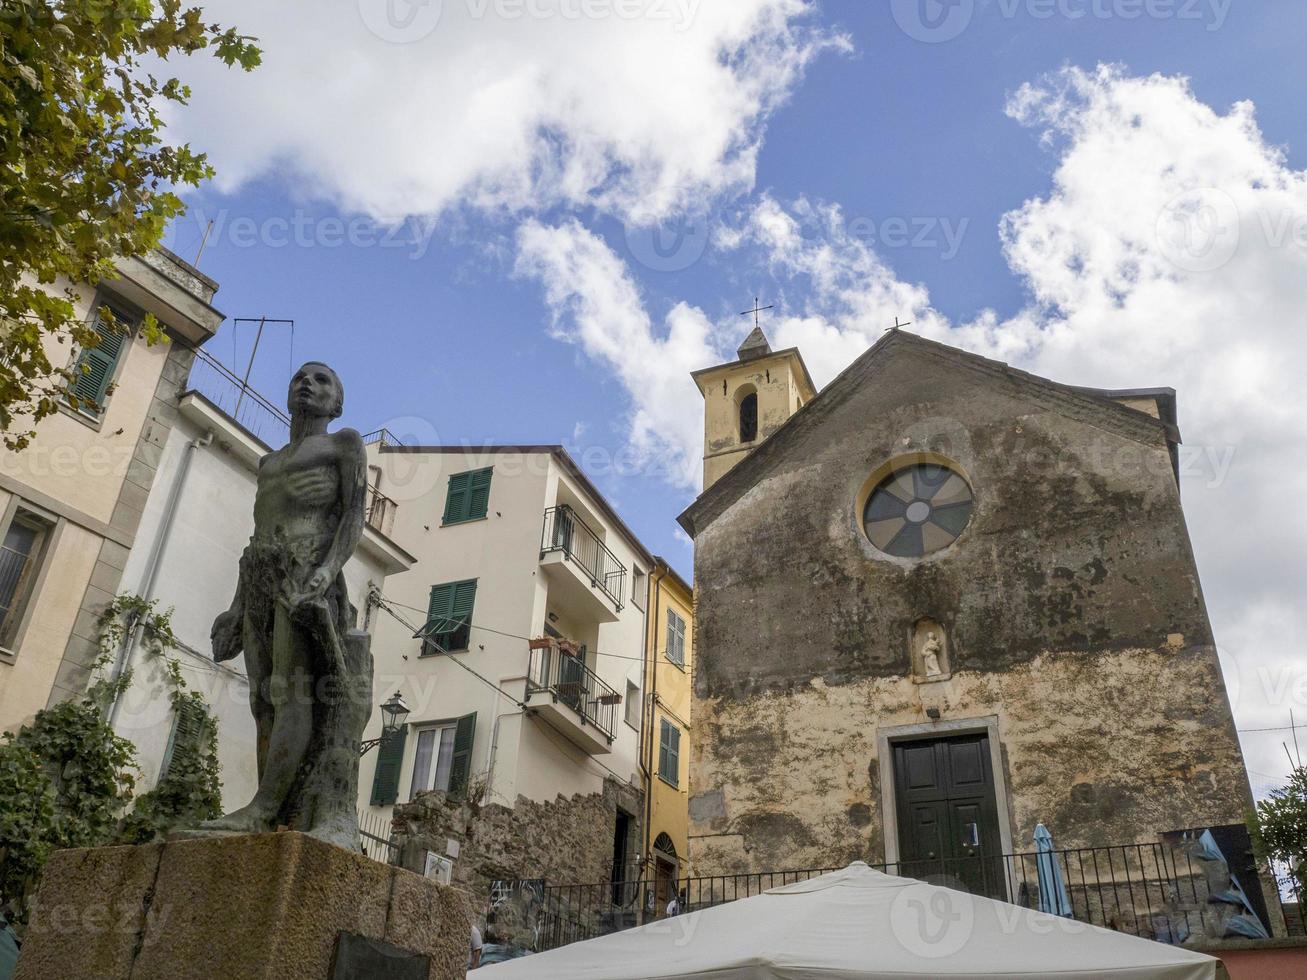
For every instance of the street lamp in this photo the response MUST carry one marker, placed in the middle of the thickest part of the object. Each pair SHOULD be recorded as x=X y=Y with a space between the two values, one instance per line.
x=393 y=713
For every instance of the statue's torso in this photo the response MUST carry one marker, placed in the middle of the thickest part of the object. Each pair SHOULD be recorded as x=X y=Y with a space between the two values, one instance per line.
x=298 y=495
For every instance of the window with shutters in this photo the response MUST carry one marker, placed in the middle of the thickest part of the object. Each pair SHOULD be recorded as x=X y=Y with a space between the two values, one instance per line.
x=669 y=754
x=22 y=555
x=675 y=638
x=449 y=617
x=442 y=759
x=468 y=498
x=186 y=740
x=97 y=366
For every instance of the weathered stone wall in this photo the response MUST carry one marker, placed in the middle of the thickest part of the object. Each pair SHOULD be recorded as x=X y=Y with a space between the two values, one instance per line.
x=564 y=841
x=1071 y=604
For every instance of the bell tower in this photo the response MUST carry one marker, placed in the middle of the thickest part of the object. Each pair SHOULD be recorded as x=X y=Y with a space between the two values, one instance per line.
x=746 y=400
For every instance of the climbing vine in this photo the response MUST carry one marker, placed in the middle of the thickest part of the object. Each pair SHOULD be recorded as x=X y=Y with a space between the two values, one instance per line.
x=67 y=779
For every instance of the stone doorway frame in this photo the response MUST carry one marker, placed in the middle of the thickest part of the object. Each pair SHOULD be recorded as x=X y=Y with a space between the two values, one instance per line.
x=889 y=819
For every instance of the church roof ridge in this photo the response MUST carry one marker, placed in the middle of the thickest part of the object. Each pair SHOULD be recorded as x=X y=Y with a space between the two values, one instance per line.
x=711 y=502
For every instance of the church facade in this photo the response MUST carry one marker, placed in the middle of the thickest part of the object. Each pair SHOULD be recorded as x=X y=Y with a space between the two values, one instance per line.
x=939 y=603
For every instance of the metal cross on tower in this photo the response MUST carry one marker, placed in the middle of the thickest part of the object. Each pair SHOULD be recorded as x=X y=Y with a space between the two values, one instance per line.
x=756 y=310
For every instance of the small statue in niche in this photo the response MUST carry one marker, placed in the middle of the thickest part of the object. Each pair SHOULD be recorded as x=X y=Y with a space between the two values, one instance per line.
x=930 y=655
x=930 y=652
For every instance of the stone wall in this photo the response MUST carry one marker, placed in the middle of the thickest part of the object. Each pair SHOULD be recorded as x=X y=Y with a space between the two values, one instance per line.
x=563 y=841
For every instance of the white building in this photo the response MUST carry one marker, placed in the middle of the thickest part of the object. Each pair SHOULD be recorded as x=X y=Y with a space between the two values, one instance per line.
x=197 y=519
x=530 y=592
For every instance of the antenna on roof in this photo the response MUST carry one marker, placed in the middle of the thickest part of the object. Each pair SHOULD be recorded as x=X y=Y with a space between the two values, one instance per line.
x=897 y=325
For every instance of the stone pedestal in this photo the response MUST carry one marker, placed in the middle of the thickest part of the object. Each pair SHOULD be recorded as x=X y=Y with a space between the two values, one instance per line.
x=265 y=906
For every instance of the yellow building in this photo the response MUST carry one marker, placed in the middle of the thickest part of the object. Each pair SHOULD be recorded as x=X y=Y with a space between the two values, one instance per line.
x=71 y=502
x=668 y=671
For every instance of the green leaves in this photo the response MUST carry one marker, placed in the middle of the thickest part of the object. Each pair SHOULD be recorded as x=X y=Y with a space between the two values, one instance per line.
x=67 y=779
x=82 y=159
x=1279 y=827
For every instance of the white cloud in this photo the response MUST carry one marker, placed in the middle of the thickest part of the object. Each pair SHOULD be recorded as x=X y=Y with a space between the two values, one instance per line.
x=1170 y=250
x=598 y=306
x=397 y=108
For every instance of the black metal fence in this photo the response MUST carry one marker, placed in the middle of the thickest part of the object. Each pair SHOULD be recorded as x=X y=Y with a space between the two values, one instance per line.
x=564 y=531
x=569 y=681
x=1154 y=891
x=378 y=840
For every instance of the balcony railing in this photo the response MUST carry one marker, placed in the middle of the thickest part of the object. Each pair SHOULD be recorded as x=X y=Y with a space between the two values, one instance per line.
x=569 y=681
x=566 y=533
x=383 y=437
x=379 y=511
x=212 y=379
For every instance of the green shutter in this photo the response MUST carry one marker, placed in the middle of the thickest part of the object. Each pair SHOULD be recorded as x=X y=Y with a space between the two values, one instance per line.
x=451 y=610
x=469 y=496
x=457 y=498
x=390 y=757
x=669 y=753
x=186 y=739
x=461 y=763
x=479 y=494
x=95 y=367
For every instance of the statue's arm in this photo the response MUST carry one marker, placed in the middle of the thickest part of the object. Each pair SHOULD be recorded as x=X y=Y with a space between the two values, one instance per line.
x=352 y=460
x=227 y=633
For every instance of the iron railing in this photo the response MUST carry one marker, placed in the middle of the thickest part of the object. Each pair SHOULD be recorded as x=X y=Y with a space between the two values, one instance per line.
x=378 y=838
x=379 y=511
x=565 y=532
x=383 y=437
x=1155 y=891
x=566 y=678
x=216 y=382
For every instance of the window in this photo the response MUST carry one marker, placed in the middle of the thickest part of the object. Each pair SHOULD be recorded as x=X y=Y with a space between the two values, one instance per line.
x=21 y=554
x=675 y=638
x=639 y=586
x=434 y=759
x=469 y=496
x=669 y=754
x=449 y=616
x=917 y=509
x=443 y=757
x=633 y=705
x=749 y=417
x=96 y=366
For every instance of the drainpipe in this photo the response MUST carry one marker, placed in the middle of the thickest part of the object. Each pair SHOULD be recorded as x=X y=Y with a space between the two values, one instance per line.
x=123 y=662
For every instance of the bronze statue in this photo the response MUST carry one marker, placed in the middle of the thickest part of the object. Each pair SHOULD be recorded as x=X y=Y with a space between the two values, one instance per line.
x=310 y=670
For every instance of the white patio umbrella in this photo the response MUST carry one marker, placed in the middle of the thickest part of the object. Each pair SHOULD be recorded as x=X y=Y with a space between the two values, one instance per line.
x=859 y=923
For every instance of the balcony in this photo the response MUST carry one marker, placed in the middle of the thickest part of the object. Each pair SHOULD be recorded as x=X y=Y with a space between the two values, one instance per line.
x=570 y=698
x=258 y=416
x=583 y=573
x=379 y=511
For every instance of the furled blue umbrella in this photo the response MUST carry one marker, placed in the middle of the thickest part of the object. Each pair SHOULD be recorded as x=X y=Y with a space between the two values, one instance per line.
x=1053 y=897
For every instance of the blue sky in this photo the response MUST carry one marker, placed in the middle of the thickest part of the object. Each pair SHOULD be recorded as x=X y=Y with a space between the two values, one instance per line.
x=844 y=163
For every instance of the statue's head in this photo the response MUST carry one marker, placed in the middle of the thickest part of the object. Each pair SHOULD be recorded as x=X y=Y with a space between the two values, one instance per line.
x=315 y=389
